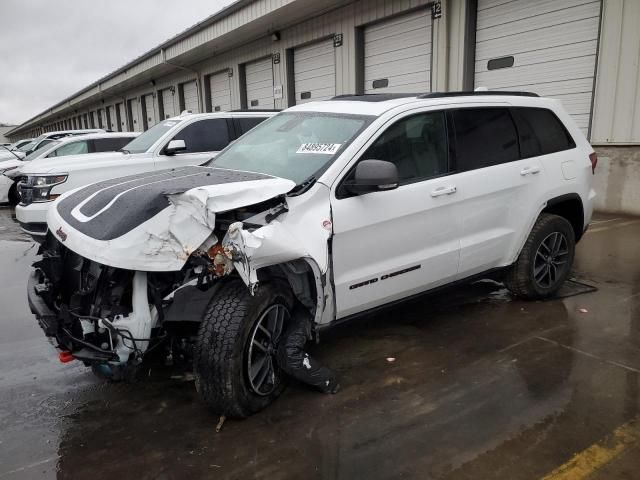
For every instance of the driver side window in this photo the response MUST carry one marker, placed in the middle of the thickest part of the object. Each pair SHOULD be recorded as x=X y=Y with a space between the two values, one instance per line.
x=417 y=145
x=209 y=135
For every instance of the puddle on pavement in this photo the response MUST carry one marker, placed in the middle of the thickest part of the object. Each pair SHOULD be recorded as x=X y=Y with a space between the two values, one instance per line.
x=483 y=386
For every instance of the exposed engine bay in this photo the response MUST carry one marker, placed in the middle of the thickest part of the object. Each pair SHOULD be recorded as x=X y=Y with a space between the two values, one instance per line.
x=111 y=317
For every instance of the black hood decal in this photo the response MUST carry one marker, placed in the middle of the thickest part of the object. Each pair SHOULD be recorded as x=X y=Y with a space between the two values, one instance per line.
x=118 y=206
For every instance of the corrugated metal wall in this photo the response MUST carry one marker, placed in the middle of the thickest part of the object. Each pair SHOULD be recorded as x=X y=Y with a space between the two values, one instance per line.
x=616 y=100
x=343 y=20
x=616 y=115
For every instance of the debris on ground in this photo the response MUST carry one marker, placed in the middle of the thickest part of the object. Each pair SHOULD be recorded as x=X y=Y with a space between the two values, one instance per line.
x=391 y=359
x=220 y=423
x=583 y=310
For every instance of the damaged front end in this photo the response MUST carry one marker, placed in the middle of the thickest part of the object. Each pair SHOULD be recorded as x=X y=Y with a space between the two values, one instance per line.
x=129 y=266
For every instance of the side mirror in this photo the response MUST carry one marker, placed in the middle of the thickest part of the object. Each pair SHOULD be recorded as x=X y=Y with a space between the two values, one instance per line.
x=174 y=147
x=373 y=176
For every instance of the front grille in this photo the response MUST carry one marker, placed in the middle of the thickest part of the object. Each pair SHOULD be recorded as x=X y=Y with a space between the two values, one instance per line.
x=26 y=194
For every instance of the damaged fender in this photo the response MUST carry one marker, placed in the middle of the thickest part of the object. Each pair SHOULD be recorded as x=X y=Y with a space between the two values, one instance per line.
x=300 y=233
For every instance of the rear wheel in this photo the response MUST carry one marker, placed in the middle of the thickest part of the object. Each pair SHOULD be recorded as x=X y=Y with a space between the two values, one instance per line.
x=235 y=364
x=545 y=260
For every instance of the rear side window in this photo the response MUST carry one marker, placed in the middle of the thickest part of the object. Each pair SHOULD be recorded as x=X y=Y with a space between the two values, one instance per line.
x=75 y=148
x=484 y=137
x=110 y=144
x=246 y=124
x=205 y=136
x=541 y=132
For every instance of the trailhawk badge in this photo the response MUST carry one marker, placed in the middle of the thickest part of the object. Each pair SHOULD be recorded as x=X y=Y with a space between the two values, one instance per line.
x=61 y=234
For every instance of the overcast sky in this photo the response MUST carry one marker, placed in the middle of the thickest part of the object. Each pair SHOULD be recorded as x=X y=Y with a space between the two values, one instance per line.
x=49 y=49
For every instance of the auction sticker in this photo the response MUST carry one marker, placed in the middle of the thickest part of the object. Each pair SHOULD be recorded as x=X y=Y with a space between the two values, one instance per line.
x=324 y=148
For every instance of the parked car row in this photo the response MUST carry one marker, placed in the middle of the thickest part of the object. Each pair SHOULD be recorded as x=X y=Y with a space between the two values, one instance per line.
x=189 y=139
x=55 y=147
x=322 y=213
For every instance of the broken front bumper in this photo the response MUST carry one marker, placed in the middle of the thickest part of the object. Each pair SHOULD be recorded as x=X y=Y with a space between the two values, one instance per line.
x=47 y=318
x=137 y=325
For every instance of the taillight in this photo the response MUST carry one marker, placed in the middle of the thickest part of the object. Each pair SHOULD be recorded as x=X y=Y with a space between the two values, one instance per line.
x=594 y=162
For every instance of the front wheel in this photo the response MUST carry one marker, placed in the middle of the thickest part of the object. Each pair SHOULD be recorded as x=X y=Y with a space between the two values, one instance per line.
x=235 y=366
x=14 y=196
x=545 y=260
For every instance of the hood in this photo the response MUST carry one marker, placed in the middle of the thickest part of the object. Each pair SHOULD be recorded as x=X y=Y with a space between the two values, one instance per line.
x=10 y=163
x=154 y=222
x=69 y=163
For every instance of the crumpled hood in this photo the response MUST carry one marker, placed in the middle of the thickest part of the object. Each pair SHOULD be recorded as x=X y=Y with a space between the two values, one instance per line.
x=154 y=222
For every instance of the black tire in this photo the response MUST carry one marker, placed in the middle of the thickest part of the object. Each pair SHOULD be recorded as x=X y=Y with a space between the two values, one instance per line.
x=221 y=352
x=524 y=277
x=14 y=198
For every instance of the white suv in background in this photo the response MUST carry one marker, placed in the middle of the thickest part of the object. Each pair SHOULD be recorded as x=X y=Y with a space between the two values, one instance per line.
x=47 y=138
x=189 y=139
x=327 y=211
x=70 y=145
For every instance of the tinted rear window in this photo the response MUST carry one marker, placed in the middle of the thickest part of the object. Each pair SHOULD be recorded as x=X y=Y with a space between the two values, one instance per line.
x=110 y=144
x=484 y=137
x=246 y=124
x=541 y=132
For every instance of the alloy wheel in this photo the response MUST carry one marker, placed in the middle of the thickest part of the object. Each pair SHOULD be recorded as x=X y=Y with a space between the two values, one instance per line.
x=551 y=260
x=262 y=369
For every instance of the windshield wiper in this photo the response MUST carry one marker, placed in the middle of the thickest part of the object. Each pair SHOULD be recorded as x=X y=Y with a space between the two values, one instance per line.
x=304 y=186
x=125 y=151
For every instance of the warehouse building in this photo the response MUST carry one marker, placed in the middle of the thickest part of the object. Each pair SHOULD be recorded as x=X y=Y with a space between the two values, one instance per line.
x=259 y=54
x=4 y=129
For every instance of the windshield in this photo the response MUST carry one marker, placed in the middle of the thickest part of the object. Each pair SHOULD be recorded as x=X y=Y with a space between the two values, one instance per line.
x=293 y=145
x=28 y=146
x=145 y=141
x=40 y=151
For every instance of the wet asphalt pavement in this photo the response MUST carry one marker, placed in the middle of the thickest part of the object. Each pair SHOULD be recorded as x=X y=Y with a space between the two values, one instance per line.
x=482 y=386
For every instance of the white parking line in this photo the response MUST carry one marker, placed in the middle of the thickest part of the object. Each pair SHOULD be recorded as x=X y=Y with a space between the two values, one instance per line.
x=595 y=222
x=616 y=225
x=27 y=467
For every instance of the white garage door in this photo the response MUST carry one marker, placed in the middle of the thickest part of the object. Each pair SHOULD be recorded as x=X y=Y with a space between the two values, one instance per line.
x=190 y=92
x=259 y=84
x=397 y=54
x=150 y=111
x=220 y=88
x=168 y=106
x=111 y=115
x=122 y=117
x=544 y=46
x=134 y=116
x=314 y=71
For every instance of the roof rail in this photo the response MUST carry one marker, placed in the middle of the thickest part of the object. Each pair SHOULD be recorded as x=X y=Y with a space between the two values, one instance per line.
x=374 y=97
x=478 y=93
x=255 y=110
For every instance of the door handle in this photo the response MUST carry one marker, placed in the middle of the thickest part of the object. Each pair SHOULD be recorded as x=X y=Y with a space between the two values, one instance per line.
x=529 y=171
x=444 y=191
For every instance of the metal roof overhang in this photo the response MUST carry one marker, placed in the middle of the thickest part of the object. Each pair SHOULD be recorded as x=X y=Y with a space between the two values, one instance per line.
x=194 y=45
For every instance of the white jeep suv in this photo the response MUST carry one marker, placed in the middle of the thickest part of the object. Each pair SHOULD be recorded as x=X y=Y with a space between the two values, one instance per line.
x=190 y=139
x=329 y=210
